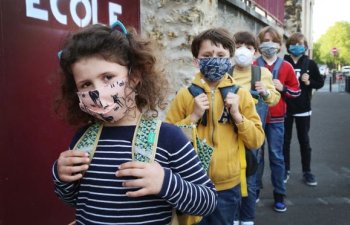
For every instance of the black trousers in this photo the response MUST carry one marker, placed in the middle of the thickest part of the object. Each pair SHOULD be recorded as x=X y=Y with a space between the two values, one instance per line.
x=303 y=126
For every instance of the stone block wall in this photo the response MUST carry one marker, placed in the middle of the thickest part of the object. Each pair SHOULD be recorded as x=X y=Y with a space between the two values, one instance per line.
x=174 y=23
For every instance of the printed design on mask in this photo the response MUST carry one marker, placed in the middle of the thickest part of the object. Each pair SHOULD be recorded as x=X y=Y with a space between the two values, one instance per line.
x=269 y=49
x=110 y=103
x=296 y=50
x=214 y=68
x=243 y=56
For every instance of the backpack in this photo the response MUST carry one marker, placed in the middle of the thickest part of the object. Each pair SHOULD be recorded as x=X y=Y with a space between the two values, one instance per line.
x=246 y=164
x=144 y=144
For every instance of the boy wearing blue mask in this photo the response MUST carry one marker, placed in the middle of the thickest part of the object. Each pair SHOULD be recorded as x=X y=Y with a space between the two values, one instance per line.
x=286 y=83
x=222 y=121
x=257 y=80
x=299 y=109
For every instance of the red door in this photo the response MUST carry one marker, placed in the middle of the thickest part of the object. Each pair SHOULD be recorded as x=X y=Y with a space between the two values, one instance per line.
x=31 y=135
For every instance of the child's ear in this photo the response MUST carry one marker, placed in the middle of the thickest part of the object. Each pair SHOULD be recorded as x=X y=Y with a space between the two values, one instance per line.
x=195 y=62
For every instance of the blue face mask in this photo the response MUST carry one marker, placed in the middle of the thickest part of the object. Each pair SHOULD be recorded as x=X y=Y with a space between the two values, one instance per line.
x=214 y=69
x=296 y=50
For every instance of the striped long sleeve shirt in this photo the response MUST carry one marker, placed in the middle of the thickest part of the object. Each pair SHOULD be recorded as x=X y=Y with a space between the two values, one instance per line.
x=100 y=198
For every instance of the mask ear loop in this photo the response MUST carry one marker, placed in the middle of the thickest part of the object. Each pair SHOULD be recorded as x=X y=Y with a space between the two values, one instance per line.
x=120 y=25
x=59 y=54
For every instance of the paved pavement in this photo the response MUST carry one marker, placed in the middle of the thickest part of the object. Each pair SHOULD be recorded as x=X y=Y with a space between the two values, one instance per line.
x=329 y=202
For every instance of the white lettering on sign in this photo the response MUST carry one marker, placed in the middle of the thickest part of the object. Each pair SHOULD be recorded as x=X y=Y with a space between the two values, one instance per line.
x=114 y=9
x=90 y=6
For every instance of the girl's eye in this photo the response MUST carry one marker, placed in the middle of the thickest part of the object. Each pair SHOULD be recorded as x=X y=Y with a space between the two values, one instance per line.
x=85 y=85
x=107 y=78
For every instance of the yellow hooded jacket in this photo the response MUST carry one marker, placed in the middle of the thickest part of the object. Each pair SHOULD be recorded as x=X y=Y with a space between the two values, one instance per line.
x=219 y=132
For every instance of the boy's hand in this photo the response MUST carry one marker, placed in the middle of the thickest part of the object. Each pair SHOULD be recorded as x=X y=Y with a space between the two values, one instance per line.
x=278 y=84
x=201 y=103
x=306 y=79
x=148 y=177
x=232 y=103
x=71 y=163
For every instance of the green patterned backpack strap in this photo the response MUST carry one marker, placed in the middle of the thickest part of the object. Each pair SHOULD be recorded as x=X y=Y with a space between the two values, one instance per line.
x=88 y=141
x=204 y=151
x=144 y=144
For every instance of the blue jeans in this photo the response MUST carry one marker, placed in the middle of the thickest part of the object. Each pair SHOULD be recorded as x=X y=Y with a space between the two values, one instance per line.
x=247 y=207
x=226 y=210
x=274 y=135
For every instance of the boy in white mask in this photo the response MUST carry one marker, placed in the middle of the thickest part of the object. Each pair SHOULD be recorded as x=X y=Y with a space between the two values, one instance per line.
x=265 y=94
x=286 y=83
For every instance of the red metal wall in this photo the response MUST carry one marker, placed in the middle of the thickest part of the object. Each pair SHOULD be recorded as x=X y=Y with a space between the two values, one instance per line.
x=275 y=8
x=31 y=136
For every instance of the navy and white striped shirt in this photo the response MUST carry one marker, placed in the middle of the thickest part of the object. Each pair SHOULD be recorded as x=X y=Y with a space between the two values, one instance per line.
x=100 y=198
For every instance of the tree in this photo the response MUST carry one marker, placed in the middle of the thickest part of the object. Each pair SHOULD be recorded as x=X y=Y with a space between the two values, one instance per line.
x=336 y=36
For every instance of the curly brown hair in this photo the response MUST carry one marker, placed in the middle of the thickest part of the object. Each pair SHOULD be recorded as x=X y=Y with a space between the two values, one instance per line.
x=130 y=50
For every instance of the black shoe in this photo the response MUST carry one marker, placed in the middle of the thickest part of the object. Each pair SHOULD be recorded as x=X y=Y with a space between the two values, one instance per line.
x=309 y=179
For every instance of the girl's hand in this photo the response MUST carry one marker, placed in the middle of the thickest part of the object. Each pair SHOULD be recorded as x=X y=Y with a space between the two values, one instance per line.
x=71 y=163
x=149 y=177
x=278 y=84
x=232 y=104
x=201 y=103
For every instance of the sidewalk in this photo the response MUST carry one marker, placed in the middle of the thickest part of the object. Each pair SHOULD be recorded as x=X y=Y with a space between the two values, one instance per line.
x=329 y=202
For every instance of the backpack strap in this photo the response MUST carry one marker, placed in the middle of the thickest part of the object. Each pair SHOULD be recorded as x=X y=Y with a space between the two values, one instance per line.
x=276 y=67
x=196 y=90
x=144 y=144
x=88 y=141
x=256 y=76
x=305 y=65
x=225 y=90
x=243 y=165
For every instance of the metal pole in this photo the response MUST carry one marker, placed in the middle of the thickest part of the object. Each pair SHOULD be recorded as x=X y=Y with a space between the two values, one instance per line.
x=330 y=84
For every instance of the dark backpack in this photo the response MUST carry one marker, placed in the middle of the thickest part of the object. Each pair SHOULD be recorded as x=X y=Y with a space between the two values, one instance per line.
x=195 y=90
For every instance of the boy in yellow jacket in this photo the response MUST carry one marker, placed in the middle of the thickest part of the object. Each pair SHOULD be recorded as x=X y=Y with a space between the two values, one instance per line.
x=222 y=121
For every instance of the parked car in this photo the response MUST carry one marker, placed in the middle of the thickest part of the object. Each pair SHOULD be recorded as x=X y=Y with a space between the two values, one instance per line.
x=323 y=70
x=345 y=70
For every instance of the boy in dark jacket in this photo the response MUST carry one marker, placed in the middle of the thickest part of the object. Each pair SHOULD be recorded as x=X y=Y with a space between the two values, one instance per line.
x=299 y=109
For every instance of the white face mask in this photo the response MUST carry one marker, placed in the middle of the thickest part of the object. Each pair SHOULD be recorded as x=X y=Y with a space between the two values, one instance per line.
x=243 y=57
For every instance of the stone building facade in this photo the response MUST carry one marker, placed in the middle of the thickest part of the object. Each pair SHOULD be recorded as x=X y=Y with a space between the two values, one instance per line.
x=174 y=23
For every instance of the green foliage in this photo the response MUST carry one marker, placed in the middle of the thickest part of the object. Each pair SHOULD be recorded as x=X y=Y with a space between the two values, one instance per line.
x=337 y=36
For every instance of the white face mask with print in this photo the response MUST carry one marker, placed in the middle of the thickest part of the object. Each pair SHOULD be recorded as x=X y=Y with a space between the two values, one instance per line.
x=243 y=56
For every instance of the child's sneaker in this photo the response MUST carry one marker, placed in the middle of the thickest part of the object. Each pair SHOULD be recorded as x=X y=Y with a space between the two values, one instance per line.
x=257 y=196
x=310 y=179
x=279 y=205
x=286 y=176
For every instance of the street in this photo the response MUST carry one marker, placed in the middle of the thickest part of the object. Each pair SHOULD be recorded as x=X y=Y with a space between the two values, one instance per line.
x=329 y=202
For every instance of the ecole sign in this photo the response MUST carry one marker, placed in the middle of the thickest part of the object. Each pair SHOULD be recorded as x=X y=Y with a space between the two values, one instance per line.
x=34 y=10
